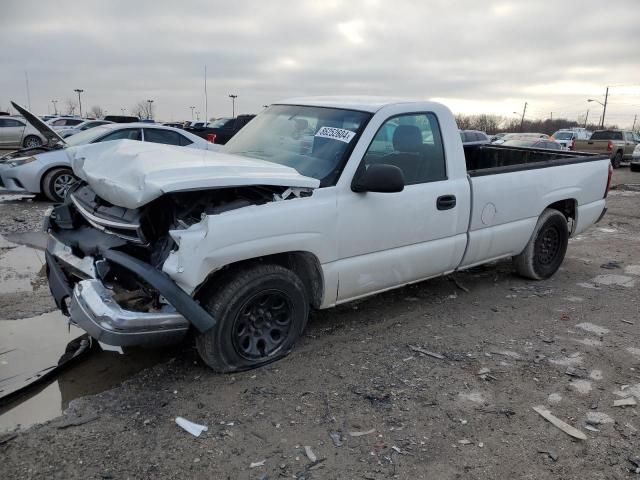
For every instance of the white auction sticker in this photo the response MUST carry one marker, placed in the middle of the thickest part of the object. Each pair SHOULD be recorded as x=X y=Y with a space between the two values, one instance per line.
x=336 y=133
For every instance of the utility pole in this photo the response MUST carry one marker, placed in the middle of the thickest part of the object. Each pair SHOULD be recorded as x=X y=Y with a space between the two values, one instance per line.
x=192 y=109
x=233 y=105
x=55 y=107
x=586 y=117
x=604 y=110
x=635 y=117
x=524 y=111
x=150 y=112
x=551 y=116
x=79 y=91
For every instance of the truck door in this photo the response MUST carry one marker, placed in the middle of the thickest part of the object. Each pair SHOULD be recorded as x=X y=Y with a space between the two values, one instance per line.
x=389 y=239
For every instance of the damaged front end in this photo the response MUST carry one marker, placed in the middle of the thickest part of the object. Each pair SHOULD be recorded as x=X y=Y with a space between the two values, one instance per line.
x=104 y=262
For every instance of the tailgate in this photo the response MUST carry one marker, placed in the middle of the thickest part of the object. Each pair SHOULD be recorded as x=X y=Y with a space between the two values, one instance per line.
x=592 y=146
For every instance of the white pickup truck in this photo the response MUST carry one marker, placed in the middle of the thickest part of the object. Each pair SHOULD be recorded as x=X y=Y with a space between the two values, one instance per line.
x=316 y=202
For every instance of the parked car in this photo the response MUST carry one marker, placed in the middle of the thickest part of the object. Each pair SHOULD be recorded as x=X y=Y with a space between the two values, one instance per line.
x=50 y=173
x=534 y=143
x=635 y=159
x=473 y=137
x=237 y=246
x=221 y=130
x=567 y=138
x=64 y=122
x=81 y=127
x=174 y=124
x=496 y=136
x=17 y=132
x=618 y=144
x=516 y=136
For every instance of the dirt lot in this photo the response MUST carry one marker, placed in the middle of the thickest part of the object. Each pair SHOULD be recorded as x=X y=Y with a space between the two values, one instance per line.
x=365 y=404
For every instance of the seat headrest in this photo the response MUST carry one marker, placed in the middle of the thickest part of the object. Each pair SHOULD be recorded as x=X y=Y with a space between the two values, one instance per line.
x=407 y=138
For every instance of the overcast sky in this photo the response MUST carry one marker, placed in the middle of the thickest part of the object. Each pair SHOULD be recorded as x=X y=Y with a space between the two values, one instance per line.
x=475 y=56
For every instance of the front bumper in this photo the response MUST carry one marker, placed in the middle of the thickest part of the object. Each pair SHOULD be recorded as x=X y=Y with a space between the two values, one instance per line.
x=23 y=178
x=78 y=293
x=95 y=311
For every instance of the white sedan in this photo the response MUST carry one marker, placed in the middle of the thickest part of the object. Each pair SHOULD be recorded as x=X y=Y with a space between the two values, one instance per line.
x=50 y=172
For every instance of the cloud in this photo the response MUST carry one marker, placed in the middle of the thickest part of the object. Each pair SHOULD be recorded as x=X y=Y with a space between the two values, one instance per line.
x=472 y=55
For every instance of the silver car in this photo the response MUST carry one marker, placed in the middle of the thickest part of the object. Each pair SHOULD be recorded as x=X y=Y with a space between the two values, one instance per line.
x=50 y=172
x=17 y=133
x=65 y=132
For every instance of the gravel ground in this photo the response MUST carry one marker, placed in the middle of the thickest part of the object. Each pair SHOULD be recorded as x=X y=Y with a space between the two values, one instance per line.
x=355 y=401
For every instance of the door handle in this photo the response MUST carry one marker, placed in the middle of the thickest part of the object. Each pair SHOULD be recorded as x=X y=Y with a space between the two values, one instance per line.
x=446 y=202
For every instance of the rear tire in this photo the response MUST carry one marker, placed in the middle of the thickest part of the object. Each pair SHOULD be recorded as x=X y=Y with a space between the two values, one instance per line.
x=56 y=183
x=260 y=311
x=547 y=247
x=616 y=160
x=31 y=141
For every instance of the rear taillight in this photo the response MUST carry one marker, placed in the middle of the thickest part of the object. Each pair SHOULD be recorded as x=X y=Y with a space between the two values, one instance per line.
x=610 y=146
x=606 y=191
x=211 y=137
x=573 y=144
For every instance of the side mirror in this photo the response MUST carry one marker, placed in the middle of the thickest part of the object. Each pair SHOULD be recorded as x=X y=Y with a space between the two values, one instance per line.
x=381 y=178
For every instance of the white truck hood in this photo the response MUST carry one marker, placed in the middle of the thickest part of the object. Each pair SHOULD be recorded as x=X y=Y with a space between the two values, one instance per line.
x=130 y=173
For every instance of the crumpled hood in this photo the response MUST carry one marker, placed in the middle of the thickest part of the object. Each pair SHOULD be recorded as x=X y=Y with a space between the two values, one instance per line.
x=130 y=173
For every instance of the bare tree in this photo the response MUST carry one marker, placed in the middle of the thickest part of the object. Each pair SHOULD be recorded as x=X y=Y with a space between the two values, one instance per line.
x=142 y=110
x=70 y=106
x=96 y=112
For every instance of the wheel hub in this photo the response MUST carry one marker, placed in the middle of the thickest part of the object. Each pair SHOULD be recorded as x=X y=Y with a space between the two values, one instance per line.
x=549 y=246
x=262 y=325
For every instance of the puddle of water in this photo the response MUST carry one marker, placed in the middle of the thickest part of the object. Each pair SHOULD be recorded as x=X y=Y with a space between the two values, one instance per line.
x=19 y=268
x=34 y=344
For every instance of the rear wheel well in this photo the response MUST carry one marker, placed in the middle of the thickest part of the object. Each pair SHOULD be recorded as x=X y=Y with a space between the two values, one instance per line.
x=304 y=264
x=568 y=209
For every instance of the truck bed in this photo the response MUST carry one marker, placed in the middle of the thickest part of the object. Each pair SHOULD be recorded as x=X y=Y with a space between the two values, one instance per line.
x=494 y=159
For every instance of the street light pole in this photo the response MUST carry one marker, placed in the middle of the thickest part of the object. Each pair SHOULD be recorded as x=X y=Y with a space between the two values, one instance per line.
x=233 y=104
x=79 y=91
x=55 y=107
x=150 y=112
x=192 y=109
x=586 y=117
x=635 y=117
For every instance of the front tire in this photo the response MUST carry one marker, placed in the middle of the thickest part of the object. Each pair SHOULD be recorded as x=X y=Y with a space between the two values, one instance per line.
x=547 y=247
x=31 y=141
x=56 y=183
x=260 y=311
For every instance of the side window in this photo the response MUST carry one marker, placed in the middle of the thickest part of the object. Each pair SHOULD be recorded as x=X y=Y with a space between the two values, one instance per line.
x=10 y=122
x=184 y=141
x=124 y=134
x=156 y=135
x=413 y=143
x=3 y=123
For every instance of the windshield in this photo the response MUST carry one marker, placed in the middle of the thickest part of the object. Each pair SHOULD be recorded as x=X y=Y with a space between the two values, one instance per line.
x=316 y=141
x=219 y=123
x=87 y=136
x=563 y=135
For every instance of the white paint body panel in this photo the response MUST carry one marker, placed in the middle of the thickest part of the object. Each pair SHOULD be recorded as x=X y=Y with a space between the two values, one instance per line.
x=364 y=242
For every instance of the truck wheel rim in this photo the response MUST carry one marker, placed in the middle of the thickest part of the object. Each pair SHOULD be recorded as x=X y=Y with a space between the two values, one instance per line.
x=548 y=245
x=62 y=184
x=262 y=325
